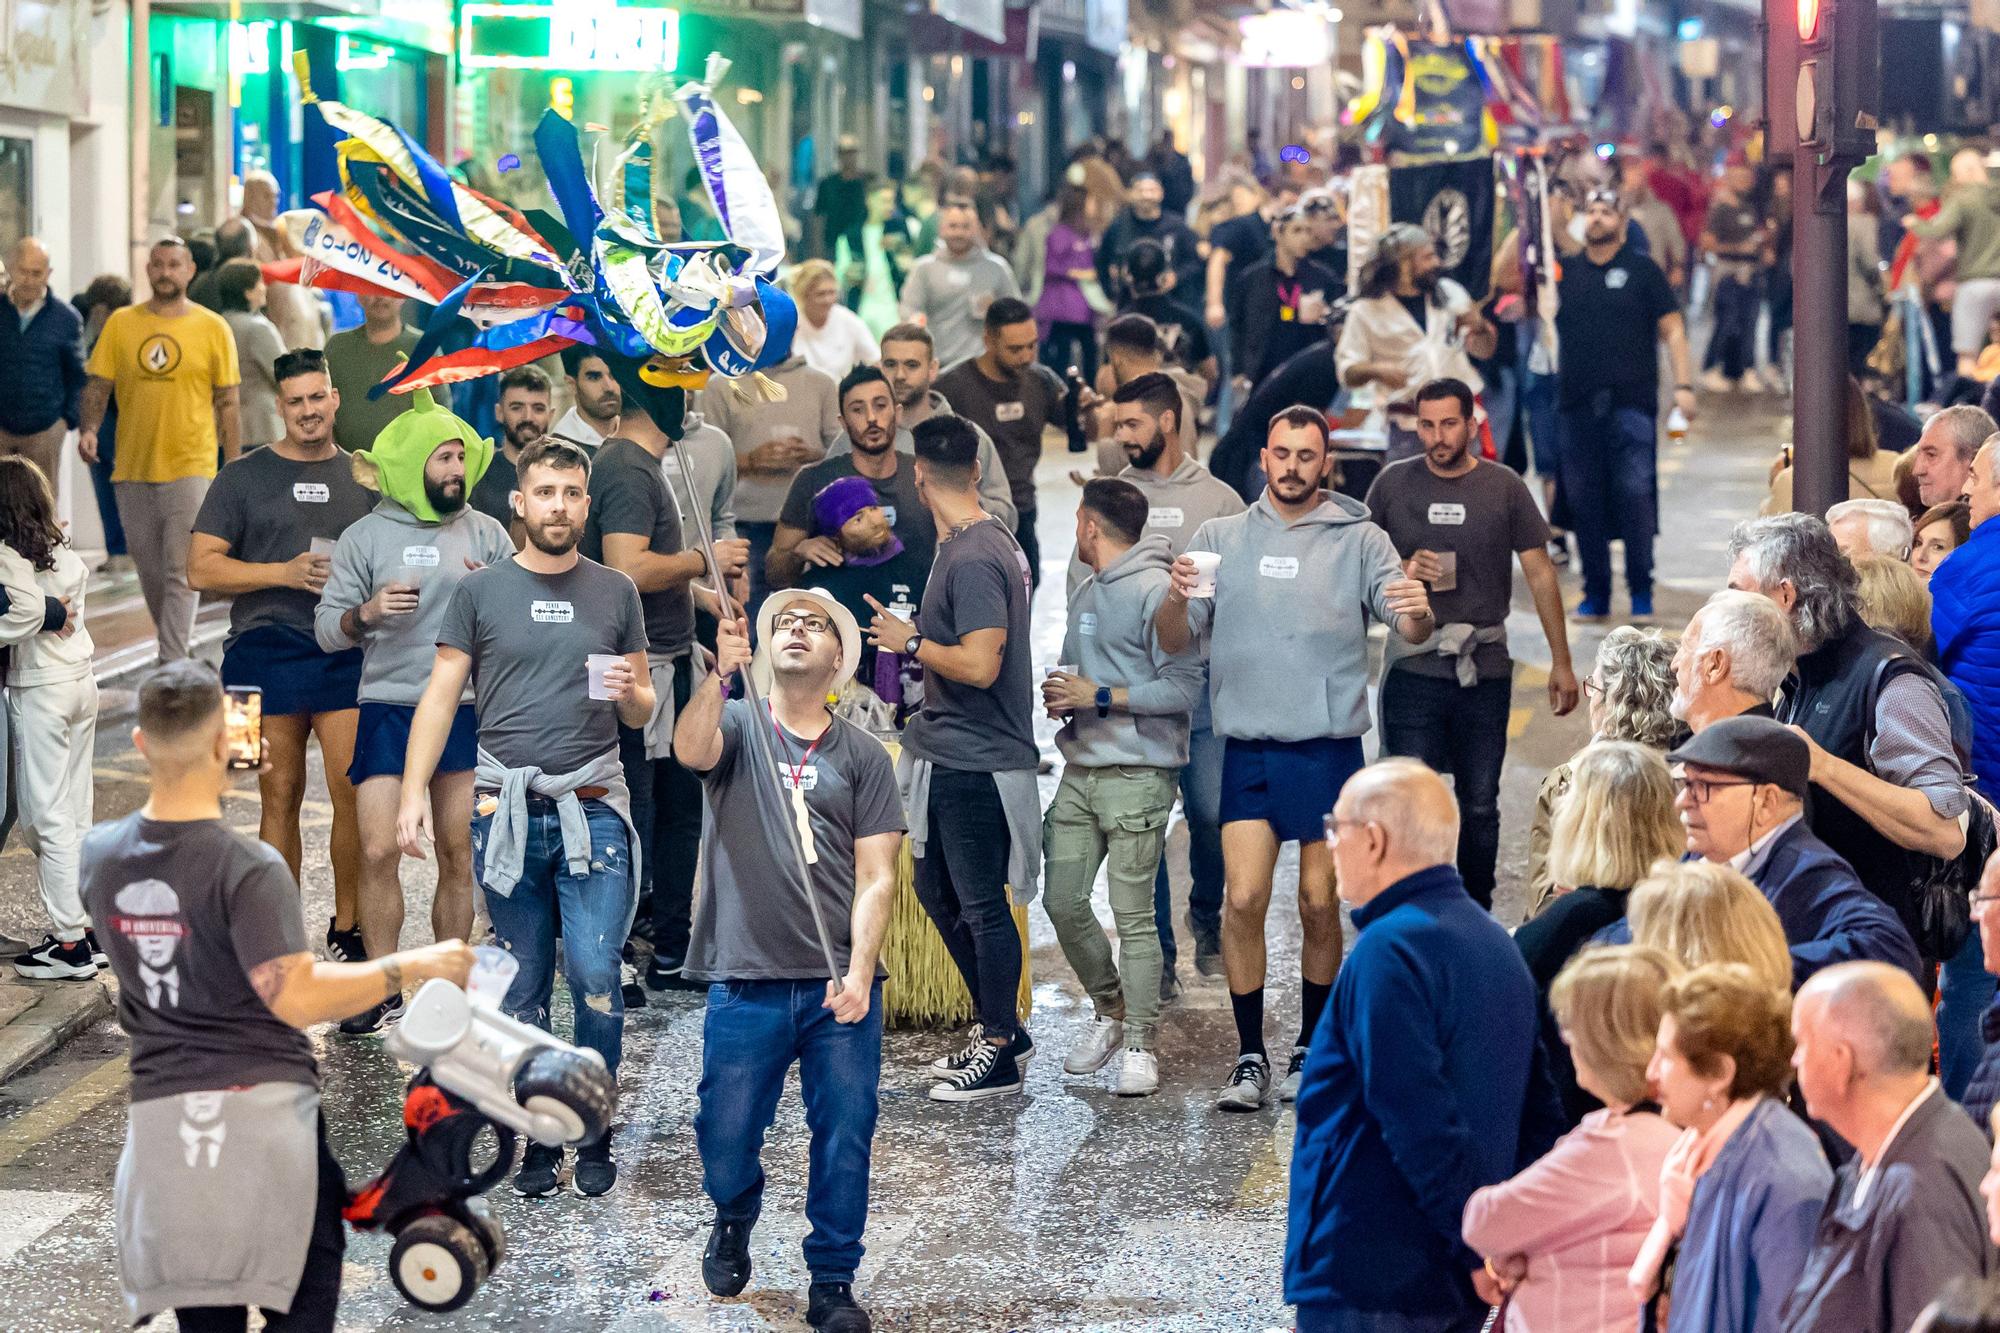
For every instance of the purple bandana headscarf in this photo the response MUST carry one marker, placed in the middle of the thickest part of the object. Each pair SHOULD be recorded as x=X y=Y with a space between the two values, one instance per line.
x=837 y=502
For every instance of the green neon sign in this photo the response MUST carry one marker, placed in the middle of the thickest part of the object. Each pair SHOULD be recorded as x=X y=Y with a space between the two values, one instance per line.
x=589 y=36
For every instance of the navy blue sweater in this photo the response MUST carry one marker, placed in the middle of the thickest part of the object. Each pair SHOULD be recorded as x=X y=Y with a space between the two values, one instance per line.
x=1424 y=1084
x=41 y=367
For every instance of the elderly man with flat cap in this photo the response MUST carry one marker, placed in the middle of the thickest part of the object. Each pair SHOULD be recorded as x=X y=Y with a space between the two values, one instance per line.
x=1742 y=801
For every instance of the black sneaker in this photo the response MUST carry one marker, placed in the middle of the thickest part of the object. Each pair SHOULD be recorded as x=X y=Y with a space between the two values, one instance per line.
x=628 y=982
x=345 y=946
x=55 y=960
x=665 y=974
x=1207 y=949
x=1170 y=983
x=541 y=1171
x=830 y=1308
x=1022 y=1048
x=97 y=954
x=952 y=1061
x=374 y=1022
x=725 y=1264
x=595 y=1172
x=991 y=1073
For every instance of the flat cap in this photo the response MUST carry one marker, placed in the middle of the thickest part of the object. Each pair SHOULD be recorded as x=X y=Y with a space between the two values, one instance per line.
x=1757 y=748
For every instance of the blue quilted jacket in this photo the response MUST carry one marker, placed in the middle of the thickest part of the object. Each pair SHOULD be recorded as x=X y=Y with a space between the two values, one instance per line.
x=1965 y=617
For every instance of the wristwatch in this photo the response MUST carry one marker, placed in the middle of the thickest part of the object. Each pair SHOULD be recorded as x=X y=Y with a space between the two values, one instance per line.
x=1104 y=701
x=910 y=648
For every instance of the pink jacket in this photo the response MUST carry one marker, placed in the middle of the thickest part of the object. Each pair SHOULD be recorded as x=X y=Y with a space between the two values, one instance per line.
x=1579 y=1216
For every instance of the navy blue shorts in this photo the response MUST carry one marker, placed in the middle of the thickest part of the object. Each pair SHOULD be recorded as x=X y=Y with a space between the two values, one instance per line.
x=382 y=738
x=295 y=675
x=1290 y=785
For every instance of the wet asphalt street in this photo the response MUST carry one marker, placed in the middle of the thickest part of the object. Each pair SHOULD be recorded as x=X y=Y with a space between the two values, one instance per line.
x=1064 y=1209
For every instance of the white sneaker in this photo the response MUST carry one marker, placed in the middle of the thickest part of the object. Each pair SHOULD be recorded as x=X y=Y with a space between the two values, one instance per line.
x=1716 y=382
x=1138 y=1074
x=1288 y=1089
x=1099 y=1042
x=1249 y=1085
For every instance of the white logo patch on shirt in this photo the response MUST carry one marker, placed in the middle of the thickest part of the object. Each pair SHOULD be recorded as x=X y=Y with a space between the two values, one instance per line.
x=311 y=492
x=420 y=557
x=804 y=779
x=1614 y=278
x=1086 y=623
x=551 y=613
x=1163 y=516
x=1009 y=411
x=671 y=464
x=1279 y=566
x=1449 y=515
x=889 y=512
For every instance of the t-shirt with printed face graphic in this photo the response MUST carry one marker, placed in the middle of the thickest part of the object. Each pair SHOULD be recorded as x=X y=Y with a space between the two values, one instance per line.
x=185 y=911
x=528 y=636
x=269 y=509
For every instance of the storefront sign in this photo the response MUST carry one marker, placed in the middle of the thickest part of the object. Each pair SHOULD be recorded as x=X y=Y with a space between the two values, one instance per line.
x=42 y=45
x=985 y=18
x=567 y=36
x=1285 y=39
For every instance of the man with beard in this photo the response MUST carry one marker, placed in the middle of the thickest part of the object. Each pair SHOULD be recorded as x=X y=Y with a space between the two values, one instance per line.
x=1181 y=495
x=1145 y=218
x=909 y=360
x=634 y=527
x=1133 y=347
x=265 y=537
x=358 y=359
x=523 y=414
x=1458 y=522
x=557 y=646
x=868 y=411
x=1408 y=324
x=1617 y=308
x=173 y=367
x=594 y=417
x=1286 y=609
x=394 y=573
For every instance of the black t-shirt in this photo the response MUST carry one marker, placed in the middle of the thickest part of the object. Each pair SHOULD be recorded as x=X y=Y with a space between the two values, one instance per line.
x=1012 y=412
x=1608 y=327
x=269 y=509
x=897 y=494
x=1287 y=335
x=1186 y=337
x=1247 y=239
x=1419 y=308
x=186 y=911
x=1333 y=258
x=841 y=205
x=628 y=494
x=490 y=496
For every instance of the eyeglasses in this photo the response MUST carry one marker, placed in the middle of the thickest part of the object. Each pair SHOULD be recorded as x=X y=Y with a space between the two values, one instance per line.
x=811 y=624
x=1591 y=687
x=1704 y=788
x=1981 y=898
x=1334 y=823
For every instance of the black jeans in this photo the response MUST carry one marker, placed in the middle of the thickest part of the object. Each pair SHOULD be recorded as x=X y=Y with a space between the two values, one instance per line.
x=1461 y=731
x=666 y=811
x=962 y=883
x=1031 y=546
x=1732 y=346
x=1071 y=345
x=318 y=1294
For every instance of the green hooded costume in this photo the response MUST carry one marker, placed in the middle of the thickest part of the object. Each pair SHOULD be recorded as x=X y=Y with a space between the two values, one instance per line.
x=406 y=444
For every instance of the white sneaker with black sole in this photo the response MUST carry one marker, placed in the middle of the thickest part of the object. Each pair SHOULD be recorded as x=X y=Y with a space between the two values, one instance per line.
x=1288 y=1087
x=1095 y=1046
x=990 y=1073
x=57 y=960
x=1249 y=1084
x=1138 y=1074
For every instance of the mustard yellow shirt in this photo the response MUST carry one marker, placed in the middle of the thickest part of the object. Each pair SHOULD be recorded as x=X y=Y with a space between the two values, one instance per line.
x=164 y=373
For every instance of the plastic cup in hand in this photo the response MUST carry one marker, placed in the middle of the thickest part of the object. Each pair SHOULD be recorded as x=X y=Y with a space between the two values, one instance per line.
x=1205 y=565
x=1064 y=669
x=493 y=970
x=322 y=547
x=597 y=664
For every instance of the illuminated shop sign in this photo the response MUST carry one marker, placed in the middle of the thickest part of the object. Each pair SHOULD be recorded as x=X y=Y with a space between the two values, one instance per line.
x=567 y=36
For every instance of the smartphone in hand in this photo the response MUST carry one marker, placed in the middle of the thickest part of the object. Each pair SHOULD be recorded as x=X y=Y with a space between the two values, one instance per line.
x=243 y=725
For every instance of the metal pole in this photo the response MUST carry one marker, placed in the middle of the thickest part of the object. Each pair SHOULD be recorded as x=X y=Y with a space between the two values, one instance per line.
x=765 y=768
x=1819 y=338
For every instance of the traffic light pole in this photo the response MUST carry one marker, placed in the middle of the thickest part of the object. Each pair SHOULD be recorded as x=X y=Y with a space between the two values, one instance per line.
x=1819 y=331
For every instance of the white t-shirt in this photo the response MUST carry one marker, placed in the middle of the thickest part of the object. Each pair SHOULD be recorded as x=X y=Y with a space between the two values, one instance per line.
x=837 y=346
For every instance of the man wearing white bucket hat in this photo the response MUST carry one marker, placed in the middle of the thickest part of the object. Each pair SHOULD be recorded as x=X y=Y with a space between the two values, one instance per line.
x=756 y=942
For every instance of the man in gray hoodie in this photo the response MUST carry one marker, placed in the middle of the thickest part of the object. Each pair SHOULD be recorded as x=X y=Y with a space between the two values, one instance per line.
x=1125 y=704
x=1295 y=580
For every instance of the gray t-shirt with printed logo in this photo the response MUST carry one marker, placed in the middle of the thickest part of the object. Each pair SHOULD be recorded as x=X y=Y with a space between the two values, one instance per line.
x=752 y=923
x=980 y=581
x=269 y=508
x=186 y=910
x=528 y=635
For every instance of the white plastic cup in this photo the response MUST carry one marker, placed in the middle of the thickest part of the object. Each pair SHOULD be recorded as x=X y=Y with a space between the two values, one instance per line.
x=322 y=547
x=1205 y=565
x=597 y=664
x=493 y=970
x=1064 y=669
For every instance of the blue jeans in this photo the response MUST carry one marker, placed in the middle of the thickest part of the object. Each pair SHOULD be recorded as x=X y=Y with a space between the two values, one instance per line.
x=592 y=912
x=1965 y=989
x=1732 y=346
x=1543 y=423
x=1608 y=482
x=1201 y=802
x=1460 y=730
x=100 y=483
x=753 y=1032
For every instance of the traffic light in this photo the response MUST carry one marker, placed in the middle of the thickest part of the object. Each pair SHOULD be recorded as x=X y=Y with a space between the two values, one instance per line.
x=1822 y=75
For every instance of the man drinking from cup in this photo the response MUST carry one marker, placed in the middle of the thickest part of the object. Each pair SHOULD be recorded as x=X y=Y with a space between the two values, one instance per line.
x=552 y=839
x=1288 y=686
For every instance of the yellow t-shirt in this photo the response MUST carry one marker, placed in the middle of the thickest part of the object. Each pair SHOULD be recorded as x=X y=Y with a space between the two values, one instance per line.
x=164 y=373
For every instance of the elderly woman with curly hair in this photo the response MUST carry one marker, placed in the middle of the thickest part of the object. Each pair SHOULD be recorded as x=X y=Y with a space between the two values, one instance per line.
x=1631 y=693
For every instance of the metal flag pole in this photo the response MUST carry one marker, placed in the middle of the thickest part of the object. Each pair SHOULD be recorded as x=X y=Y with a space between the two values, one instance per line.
x=767 y=759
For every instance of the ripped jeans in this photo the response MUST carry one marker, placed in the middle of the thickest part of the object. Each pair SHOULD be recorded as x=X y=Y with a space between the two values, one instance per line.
x=591 y=913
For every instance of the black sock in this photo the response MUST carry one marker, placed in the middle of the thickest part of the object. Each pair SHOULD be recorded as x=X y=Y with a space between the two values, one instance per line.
x=1312 y=1003
x=1249 y=1011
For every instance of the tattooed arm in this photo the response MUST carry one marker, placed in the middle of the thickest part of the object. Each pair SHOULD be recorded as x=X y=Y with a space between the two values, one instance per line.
x=301 y=990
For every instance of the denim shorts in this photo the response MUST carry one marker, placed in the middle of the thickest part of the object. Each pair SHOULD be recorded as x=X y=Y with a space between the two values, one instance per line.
x=295 y=675
x=382 y=738
x=1290 y=785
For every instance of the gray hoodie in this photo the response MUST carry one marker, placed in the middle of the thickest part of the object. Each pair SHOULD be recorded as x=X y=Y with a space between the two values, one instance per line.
x=1111 y=640
x=377 y=550
x=706 y=451
x=1178 y=504
x=1288 y=625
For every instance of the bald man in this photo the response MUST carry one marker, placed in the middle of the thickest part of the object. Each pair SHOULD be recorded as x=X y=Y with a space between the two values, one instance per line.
x=41 y=362
x=1424 y=1081
x=294 y=309
x=1905 y=1217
